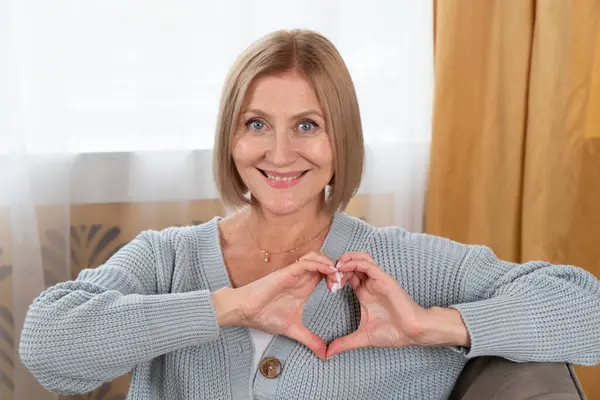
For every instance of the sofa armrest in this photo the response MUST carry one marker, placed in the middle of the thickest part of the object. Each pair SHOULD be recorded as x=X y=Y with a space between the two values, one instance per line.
x=496 y=378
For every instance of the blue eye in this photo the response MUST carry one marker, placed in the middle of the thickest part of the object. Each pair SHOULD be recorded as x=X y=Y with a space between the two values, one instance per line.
x=307 y=126
x=255 y=125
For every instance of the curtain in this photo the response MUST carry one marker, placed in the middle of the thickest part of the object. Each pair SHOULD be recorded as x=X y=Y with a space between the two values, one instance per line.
x=107 y=116
x=515 y=160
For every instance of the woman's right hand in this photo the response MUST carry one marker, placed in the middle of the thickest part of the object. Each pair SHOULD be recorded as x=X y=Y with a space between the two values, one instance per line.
x=275 y=303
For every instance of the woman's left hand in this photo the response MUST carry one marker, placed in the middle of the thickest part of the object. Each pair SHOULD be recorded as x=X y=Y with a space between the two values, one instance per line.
x=389 y=317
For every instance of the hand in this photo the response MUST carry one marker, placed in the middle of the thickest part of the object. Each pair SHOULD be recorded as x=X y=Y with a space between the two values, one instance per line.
x=389 y=317
x=275 y=303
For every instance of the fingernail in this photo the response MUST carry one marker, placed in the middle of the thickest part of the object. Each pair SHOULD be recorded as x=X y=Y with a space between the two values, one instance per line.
x=338 y=264
x=339 y=276
x=335 y=287
x=331 y=267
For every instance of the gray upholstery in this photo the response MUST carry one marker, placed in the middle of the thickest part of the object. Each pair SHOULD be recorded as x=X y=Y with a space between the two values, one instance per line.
x=495 y=378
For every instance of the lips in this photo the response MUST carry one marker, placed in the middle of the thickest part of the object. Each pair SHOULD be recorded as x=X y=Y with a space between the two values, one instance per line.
x=285 y=176
x=282 y=179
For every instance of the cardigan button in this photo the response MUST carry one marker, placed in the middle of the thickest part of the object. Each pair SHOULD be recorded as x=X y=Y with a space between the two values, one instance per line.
x=270 y=367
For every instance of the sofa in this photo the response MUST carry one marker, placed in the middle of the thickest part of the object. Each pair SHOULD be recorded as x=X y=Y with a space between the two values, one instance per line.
x=495 y=378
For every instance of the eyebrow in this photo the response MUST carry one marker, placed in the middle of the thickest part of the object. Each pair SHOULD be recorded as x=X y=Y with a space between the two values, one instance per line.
x=299 y=115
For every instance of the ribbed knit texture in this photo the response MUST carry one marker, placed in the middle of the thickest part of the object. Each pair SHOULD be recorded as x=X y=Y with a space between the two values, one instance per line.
x=148 y=309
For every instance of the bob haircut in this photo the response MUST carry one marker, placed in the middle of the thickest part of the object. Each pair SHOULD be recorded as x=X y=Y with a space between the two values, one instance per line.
x=314 y=57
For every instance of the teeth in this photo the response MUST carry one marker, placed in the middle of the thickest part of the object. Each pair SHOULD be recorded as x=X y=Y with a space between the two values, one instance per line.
x=282 y=178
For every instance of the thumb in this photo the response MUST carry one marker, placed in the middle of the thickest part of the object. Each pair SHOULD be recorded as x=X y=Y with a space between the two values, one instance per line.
x=355 y=340
x=305 y=336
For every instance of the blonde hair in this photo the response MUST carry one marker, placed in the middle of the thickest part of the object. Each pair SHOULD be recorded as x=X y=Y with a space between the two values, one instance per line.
x=312 y=55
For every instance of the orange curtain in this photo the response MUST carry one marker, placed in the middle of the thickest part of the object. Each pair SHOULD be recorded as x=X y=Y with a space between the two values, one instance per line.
x=515 y=158
x=593 y=123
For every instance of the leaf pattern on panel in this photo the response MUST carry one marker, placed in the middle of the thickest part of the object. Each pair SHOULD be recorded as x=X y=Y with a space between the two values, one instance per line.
x=75 y=237
x=6 y=315
x=104 y=241
x=7 y=364
x=87 y=243
x=5 y=271
x=54 y=252
x=92 y=232
x=5 y=358
x=6 y=380
x=74 y=259
x=7 y=320
x=5 y=337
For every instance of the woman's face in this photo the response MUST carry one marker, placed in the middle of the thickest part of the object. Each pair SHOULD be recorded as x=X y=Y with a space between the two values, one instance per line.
x=281 y=149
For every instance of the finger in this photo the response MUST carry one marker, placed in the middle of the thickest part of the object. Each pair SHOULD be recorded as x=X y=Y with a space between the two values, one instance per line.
x=359 y=279
x=346 y=277
x=354 y=255
x=371 y=270
x=336 y=276
x=355 y=340
x=305 y=336
x=315 y=258
x=339 y=284
x=303 y=266
x=355 y=282
x=333 y=281
x=362 y=276
x=318 y=257
x=332 y=284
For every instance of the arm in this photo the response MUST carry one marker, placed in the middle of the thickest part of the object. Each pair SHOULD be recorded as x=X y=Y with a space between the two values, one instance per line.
x=523 y=312
x=534 y=311
x=80 y=334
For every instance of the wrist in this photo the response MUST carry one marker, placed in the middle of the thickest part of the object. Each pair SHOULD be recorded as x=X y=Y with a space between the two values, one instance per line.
x=445 y=327
x=227 y=306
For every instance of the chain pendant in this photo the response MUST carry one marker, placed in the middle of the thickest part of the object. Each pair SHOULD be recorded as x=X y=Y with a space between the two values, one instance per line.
x=266 y=257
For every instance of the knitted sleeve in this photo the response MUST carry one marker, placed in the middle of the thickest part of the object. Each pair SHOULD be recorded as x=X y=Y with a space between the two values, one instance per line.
x=534 y=311
x=80 y=334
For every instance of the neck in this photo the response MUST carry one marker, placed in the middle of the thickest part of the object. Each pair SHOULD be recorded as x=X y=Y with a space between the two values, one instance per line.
x=283 y=232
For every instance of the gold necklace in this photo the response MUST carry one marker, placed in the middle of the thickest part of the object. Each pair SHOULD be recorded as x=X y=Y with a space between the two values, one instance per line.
x=267 y=253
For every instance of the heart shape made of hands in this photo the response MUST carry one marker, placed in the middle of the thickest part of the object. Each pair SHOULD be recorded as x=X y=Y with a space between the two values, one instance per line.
x=389 y=317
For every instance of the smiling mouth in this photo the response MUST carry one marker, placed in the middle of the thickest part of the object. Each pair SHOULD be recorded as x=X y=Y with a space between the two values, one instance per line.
x=280 y=178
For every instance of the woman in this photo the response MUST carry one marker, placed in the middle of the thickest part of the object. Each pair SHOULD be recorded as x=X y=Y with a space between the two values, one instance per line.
x=289 y=297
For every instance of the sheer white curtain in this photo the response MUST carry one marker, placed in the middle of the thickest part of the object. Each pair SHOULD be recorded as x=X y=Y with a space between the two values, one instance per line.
x=116 y=101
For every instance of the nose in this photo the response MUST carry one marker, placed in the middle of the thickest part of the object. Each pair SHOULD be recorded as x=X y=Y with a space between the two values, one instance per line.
x=282 y=150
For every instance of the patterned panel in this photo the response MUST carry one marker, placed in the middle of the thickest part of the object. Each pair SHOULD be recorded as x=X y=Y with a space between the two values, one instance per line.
x=8 y=352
